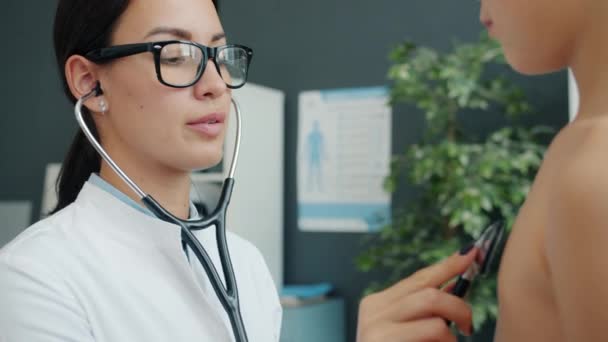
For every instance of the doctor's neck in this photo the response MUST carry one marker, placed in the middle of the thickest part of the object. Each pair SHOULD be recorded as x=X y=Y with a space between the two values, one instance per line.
x=168 y=187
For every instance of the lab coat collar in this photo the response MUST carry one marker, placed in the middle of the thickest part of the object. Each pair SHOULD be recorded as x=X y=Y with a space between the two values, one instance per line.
x=121 y=221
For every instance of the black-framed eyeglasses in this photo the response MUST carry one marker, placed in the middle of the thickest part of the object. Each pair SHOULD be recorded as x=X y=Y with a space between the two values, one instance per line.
x=180 y=64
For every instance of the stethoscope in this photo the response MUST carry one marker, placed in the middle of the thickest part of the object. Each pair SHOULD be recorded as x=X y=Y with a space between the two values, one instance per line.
x=228 y=295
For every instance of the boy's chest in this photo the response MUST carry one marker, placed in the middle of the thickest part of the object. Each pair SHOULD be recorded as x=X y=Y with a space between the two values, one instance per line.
x=524 y=289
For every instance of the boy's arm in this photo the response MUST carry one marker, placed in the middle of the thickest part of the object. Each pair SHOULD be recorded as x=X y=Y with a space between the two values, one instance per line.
x=577 y=249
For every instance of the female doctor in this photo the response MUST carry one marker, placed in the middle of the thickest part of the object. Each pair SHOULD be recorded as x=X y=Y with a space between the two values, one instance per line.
x=102 y=267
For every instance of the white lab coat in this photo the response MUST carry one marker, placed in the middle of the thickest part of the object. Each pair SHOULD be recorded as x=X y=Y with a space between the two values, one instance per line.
x=100 y=270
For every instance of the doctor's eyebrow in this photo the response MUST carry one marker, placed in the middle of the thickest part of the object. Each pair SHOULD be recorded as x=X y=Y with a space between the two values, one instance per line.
x=181 y=33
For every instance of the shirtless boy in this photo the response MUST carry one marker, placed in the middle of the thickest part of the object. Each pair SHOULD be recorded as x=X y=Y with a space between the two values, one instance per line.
x=554 y=271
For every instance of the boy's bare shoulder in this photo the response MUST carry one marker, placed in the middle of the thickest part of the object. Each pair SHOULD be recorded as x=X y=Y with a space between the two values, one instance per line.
x=578 y=195
x=581 y=155
x=575 y=237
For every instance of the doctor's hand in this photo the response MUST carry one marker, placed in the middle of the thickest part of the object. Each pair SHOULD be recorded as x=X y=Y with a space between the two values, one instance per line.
x=415 y=309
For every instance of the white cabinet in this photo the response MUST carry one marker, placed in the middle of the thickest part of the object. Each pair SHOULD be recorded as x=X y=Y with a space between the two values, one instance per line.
x=572 y=95
x=256 y=208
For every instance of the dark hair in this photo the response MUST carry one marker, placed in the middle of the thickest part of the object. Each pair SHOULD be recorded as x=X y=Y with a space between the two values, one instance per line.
x=81 y=26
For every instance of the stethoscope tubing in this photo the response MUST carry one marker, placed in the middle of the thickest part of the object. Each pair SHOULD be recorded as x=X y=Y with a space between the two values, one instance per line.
x=227 y=295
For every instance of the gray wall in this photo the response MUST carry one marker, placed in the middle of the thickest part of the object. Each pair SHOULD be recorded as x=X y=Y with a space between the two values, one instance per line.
x=299 y=45
x=37 y=123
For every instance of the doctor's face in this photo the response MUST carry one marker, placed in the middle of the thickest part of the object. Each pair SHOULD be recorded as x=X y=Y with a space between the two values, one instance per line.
x=178 y=129
x=537 y=36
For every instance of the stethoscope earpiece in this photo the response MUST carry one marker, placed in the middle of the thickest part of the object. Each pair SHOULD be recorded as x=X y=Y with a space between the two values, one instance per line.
x=97 y=89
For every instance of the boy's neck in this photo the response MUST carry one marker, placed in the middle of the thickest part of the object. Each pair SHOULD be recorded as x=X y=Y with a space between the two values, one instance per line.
x=590 y=68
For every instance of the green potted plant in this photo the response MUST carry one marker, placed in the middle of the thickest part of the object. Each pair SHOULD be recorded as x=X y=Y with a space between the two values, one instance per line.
x=462 y=182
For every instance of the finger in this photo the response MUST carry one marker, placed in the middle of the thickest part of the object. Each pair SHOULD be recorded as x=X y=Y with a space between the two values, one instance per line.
x=431 y=302
x=425 y=330
x=432 y=276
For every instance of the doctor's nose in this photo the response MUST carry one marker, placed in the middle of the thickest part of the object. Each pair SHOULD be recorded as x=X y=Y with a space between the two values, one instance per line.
x=211 y=84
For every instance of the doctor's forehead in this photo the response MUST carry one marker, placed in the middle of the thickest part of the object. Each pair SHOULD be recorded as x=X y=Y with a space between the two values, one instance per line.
x=146 y=20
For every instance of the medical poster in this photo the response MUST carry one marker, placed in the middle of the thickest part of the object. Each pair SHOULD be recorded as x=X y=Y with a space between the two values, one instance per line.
x=344 y=139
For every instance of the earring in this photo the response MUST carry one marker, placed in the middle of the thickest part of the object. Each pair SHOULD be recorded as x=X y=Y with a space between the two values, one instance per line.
x=103 y=105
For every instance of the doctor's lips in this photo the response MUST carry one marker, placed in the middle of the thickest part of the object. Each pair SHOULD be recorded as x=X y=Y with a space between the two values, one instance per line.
x=210 y=125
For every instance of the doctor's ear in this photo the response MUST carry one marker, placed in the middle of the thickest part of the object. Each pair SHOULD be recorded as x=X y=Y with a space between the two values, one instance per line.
x=82 y=78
